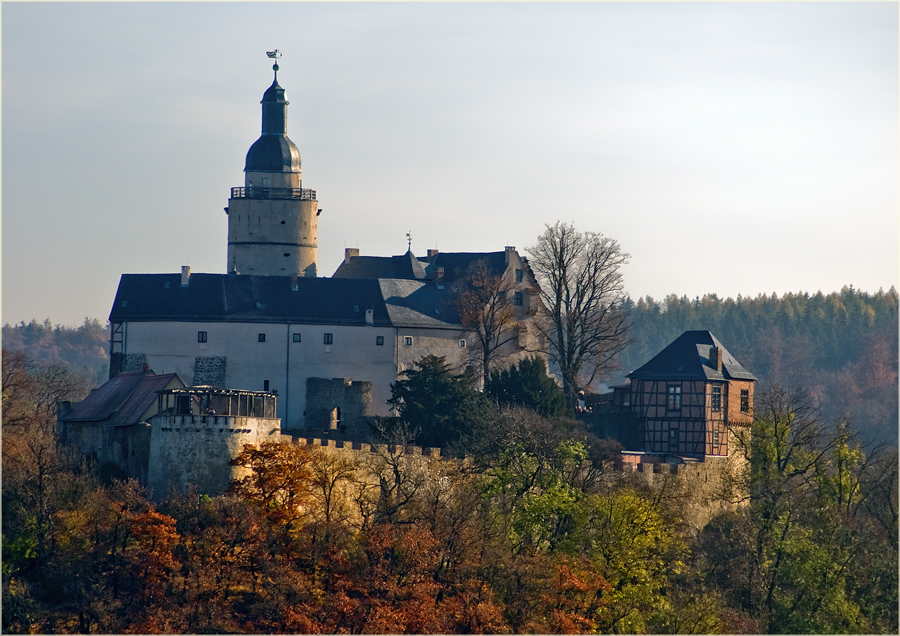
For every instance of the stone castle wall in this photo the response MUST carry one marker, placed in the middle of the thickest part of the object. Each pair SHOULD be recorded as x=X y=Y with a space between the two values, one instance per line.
x=196 y=449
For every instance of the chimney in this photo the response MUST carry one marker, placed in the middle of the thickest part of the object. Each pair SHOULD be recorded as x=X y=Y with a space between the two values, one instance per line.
x=509 y=250
x=145 y=367
x=350 y=252
x=370 y=317
x=185 y=275
x=432 y=254
x=715 y=358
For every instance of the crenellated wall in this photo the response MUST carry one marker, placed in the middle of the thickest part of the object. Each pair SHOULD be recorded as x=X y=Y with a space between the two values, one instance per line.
x=196 y=449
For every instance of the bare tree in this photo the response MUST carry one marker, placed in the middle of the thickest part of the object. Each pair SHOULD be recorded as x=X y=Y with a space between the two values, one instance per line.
x=581 y=288
x=483 y=300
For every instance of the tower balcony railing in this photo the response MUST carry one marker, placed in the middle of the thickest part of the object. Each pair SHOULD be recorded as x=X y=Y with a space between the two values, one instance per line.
x=258 y=192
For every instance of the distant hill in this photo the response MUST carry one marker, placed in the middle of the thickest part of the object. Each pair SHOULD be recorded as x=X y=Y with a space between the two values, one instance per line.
x=841 y=348
x=84 y=348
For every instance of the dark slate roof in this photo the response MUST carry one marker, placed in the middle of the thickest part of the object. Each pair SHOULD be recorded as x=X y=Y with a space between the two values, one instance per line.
x=412 y=268
x=412 y=303
x=405 y=266
x=456 y=263
x=122 y=400
x=273 y=153
x=247 y=298
x=688 y=358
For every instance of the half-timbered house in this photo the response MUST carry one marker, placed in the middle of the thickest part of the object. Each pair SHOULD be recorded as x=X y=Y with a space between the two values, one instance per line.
x=690 y=397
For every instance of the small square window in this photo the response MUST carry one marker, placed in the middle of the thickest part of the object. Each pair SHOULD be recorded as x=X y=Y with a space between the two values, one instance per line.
x=518 y=275
x=329 y=338
x=518 y=299
x=296 y=337
x=407 y=341
x=379 y=340
x=356 y=308
x=262 y=337
x=462 y=344
x=201 y=336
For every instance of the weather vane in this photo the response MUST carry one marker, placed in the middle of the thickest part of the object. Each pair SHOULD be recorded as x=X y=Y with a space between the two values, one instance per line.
x=274 y=55
x=409 y=240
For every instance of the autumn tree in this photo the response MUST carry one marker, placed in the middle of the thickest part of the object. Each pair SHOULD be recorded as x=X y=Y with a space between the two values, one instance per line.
x=483 y=301
x=581 y=287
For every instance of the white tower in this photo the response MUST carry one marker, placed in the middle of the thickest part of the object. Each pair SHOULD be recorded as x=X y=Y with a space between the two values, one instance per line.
x=272 y=220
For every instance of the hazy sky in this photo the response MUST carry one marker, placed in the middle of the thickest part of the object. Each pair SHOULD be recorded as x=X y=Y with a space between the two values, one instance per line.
x=729 y=148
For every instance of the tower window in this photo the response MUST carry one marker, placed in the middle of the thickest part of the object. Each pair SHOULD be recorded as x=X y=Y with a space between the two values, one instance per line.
x=201 y=336
x=296 y=337
x=329 y=338
x=379 y=340
x=261 y=338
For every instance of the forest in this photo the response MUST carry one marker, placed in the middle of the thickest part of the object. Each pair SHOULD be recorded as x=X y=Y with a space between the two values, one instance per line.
x=524 y=528
x=531 y=532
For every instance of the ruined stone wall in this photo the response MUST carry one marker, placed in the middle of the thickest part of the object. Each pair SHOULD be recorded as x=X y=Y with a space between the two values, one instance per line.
x=196 y=449
x=353 y=398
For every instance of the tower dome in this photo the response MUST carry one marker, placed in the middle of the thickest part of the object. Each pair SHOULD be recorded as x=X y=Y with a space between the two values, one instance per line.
x=273 y=151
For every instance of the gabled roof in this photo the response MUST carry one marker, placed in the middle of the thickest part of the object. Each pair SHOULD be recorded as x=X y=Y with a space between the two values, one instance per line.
x=411 y=268
x=396 y=302
x=456 y=263
x=122 y=400
x=405 y=266
x=247 y=298
x=688 y=358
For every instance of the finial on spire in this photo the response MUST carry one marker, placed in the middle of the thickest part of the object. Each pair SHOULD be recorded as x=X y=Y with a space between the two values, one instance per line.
x=274 y=55
x=409 y=240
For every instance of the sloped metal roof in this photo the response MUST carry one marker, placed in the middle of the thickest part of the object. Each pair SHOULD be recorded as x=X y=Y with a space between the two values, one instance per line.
x=122 y=400
x=688 y=358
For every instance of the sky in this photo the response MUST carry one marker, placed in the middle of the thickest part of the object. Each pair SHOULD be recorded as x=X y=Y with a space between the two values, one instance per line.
x=731 y=148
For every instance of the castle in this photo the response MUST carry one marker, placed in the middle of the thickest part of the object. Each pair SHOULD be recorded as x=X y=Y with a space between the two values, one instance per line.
x=272 y=324
x=225 y=345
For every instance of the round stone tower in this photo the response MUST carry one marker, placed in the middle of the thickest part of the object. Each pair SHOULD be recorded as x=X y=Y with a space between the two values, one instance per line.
x=272 y=220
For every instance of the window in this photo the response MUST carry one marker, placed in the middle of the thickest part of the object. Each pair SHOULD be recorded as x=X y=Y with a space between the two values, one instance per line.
x=379 y=340
x=407 y=340
x=673 y=438
x=262 y=337
x=356 y=308
x=715 y=438
x=716 y=398
x=462 y=344
x=674 y=398
x=329 y=338
x=518 y=275
x=518 y=299
x=265 y=385
x=745 y=400
x=201 y=336
x=295 y=337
